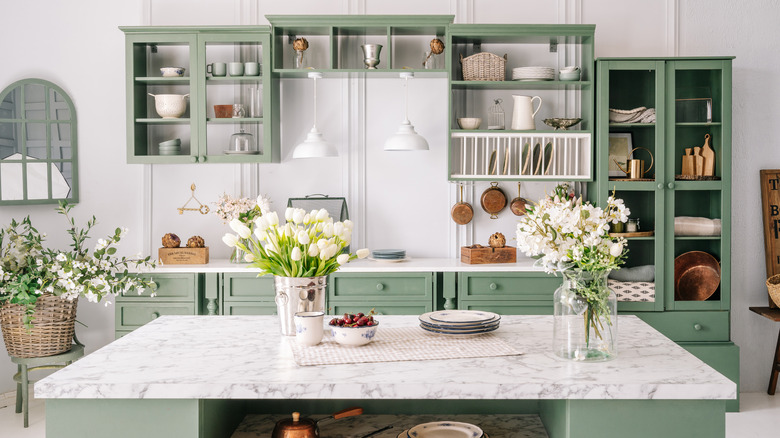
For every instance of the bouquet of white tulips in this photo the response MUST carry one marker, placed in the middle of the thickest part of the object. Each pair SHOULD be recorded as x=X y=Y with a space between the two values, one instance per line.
x=309 y=244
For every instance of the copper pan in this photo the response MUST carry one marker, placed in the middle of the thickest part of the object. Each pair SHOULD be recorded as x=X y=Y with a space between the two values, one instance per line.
x=696 y=276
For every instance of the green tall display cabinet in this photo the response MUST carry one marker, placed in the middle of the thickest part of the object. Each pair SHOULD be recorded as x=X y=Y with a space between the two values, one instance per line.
x=205 y=135
x=679 y=203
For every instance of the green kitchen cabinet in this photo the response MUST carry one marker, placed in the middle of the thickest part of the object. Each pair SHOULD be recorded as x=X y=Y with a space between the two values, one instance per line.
x=204 y=137
x=246 y=294
x=176 y=294
x=513 y=293
x=495 y=153
x=396 y=293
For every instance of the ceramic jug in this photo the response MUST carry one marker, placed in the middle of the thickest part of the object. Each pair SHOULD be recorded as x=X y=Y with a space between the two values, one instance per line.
x=523 y=112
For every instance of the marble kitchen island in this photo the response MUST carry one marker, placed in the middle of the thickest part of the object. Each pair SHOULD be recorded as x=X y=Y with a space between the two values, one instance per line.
x=198 y=376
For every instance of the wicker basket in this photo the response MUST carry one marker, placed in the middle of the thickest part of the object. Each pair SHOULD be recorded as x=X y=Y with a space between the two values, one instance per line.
x=483 y=67
x=773 y=286
x=52 y=327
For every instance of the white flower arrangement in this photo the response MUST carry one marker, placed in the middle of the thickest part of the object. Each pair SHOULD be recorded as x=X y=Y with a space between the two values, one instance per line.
x=564 y=233
x=307 y=245
x=229 y=208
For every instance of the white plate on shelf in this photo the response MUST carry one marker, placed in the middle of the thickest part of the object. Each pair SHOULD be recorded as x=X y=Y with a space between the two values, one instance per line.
x=445 y=429
x=242 y=152
x=462 y=316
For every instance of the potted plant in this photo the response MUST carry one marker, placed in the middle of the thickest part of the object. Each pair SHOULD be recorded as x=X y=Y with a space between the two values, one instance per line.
x=40 y=287
x=299 y=254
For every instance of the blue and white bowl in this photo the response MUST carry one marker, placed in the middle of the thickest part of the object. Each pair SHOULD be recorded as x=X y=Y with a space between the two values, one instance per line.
x=169 y=72
x=354 y=336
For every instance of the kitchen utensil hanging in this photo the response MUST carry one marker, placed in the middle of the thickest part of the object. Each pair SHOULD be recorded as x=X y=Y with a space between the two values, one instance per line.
x=462 y=212
x=518 y=204
x=203 y=209
x=493 y=200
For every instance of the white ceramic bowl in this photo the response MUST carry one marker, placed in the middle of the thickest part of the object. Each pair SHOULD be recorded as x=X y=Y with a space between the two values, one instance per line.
x=569 y=76
x=354 y=336
x=170 y=106
x=169 y=72
x=469 y=122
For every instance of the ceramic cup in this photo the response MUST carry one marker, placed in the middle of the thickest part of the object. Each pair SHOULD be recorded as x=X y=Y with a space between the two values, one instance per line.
x=251 y=68
x=308 y=327
x=223 y=111
x=236 y=68
x=216 y=69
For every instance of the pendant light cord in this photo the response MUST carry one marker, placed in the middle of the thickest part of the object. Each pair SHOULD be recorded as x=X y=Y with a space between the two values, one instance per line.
x=406 y=99
x=315 y=102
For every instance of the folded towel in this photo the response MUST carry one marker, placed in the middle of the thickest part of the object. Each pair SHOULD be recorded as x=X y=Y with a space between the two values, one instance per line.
x=696 y=226
x=644 y=273
x=636 y=115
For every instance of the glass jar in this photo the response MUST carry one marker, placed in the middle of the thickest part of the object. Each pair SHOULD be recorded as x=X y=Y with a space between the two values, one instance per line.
x=585 y=317
x=300 y=60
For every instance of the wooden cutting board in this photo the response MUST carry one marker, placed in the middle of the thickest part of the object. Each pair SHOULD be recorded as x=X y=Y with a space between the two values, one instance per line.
x=709 y=157
x=770 y=209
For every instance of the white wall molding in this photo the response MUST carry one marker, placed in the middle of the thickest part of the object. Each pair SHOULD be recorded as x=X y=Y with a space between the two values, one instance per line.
x=463 y=10
x=672 y=27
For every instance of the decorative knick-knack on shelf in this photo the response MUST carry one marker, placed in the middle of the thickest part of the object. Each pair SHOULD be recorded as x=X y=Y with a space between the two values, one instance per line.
x=496 y=115
x=300 y=45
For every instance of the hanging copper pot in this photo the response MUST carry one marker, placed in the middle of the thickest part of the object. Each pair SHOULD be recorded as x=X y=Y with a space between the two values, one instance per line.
x=493 y=200
x=518 y=204
x=462 y=212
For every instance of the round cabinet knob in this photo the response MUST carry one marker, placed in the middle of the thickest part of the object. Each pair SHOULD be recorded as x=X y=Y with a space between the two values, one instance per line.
x=697 y=327
x=202 y=158
x=660 y=186
x=155 y=315
x=493 y=286
x=380 y=286
x=194 y=159
x=670 y=185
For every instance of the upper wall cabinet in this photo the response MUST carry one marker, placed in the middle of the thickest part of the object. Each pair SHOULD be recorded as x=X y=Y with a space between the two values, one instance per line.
x=513 y=78
x=38 y=144
x=335 y=44
x=197 y=94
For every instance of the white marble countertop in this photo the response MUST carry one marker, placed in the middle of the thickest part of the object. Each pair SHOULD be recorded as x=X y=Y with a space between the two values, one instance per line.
x=523 y=264
x=245 y=357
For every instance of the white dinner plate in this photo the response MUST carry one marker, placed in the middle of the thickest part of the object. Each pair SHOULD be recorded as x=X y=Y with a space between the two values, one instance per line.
x=425 y=318
x=445 y=429
x=405 y=259
x=405 y=434
x=464 y=333
x=462 y=316
x=460 y=328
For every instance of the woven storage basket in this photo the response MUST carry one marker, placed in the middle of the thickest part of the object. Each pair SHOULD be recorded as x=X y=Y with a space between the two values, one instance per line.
x=773 y=286
x=483 y=67
x=52 y=329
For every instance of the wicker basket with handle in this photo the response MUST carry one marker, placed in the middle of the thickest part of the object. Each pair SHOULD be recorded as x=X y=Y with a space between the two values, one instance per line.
x=52 y=329
x=773 y=286
x=483 y=67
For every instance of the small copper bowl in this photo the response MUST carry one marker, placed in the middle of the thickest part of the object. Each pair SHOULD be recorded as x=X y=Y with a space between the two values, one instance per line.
x=696 y=276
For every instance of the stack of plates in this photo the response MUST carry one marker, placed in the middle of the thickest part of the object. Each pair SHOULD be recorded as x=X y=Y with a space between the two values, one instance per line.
x=170 y=147
x=459 y=322
x=388 y=255
x=449 y=429
x=533 y=74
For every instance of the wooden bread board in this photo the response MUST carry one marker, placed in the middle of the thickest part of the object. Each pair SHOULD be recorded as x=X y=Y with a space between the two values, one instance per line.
x=485 y=254
x=770 y=210
x=633 y=234
x=183 y=256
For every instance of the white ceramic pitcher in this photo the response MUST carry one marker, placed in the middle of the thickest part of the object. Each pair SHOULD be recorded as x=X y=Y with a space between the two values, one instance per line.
x=523 y=112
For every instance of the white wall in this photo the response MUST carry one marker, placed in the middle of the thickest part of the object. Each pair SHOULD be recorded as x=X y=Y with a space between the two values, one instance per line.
x=398 y=199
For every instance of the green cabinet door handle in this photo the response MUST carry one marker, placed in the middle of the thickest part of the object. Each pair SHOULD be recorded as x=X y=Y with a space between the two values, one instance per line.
x=202 y=158
x=380 y=286
x=670 y=185
x=155 y=315
x=697 y=327
x=493 y=286
x=194 y=159
x=660 y=186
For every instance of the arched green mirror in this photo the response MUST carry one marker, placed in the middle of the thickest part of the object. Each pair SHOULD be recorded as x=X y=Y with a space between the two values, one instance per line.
x=38 y=160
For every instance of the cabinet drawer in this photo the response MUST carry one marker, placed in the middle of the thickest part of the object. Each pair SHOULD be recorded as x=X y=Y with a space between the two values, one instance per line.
x=248 y=308
x=381 y=308
x=502 y=286
x=407 y=285
x=170 y=287
x=134 y=315
x=690 y=326
x=248 y=287
x=510 y=307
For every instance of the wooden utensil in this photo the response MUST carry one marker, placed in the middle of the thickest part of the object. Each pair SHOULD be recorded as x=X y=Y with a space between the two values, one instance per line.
x=708 y=154
x=687 y=162
x=493 y=200
x=518 y=204
x=462 y=212
x=698 y=162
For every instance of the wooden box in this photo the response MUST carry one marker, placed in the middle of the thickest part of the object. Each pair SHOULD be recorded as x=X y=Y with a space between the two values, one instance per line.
x=770 y=208
x=184 y=256
x=478 y=254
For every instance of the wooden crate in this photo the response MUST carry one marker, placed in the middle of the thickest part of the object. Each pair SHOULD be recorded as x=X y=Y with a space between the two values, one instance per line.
x=183 y=256
x=485 y=254
x=770 y=209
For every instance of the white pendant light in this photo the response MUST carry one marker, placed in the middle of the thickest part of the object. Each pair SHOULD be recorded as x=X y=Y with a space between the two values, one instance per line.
x=315 y=145
x=406 y=139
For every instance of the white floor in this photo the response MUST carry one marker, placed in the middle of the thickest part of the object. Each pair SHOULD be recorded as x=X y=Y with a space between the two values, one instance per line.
x=759 y=418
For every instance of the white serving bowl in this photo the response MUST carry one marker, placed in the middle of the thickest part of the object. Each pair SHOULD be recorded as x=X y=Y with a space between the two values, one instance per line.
x=169 y=72
x=170 y=106
x=469 y=122
x=354 y=336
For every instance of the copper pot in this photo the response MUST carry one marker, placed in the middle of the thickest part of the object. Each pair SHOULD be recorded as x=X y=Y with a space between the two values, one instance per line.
x=493 y=200
x=297 y=427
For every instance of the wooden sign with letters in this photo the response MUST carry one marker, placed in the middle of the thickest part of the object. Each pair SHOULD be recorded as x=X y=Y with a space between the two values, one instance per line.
x=770 y=207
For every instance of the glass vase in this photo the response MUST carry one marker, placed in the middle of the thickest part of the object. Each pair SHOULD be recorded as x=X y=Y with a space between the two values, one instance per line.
x=300 y=60
x=237 y=256
x=585 y=309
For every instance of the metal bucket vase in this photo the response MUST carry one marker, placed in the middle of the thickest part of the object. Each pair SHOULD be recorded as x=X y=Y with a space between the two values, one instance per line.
x=298 y=294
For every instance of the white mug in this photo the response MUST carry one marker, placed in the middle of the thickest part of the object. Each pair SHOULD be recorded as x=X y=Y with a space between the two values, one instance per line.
x=308 y=327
